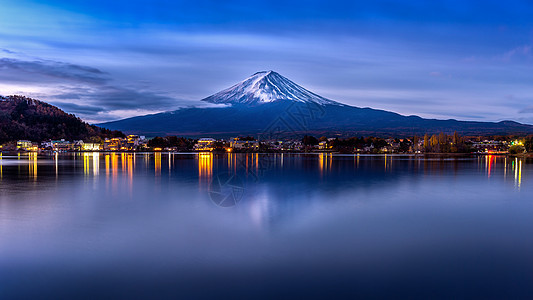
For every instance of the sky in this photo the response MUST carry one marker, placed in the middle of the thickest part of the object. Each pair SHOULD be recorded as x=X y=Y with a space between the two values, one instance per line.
x=107 y=60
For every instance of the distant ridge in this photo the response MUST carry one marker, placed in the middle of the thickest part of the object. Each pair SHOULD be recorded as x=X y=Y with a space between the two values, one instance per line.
x=267 y=102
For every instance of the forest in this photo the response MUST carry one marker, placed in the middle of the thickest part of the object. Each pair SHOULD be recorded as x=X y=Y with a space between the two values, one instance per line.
x=23 y=118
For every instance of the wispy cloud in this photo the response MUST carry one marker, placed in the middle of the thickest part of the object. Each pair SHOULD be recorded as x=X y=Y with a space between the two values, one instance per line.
x=7 y=51
x=524 y=51
x=30 y=71
x=82 y=90
x=527 y=110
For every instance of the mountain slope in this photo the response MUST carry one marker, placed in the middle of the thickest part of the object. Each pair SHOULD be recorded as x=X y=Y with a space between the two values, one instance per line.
x=272 y=106
x=29 y=119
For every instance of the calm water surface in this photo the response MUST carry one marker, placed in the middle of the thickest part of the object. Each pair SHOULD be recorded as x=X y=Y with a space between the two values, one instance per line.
x=265 y=226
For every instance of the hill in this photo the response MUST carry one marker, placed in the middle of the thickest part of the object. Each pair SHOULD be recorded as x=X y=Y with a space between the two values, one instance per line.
x=23 y=118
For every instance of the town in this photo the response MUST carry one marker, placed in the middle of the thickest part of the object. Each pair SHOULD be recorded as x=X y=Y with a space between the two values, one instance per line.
x=441 y=143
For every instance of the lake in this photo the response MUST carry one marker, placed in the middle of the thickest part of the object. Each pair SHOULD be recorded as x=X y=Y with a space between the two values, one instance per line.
x=249 y=226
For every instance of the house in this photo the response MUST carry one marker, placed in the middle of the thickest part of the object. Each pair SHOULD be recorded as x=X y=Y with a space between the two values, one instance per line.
x=115 y=144
x=24 y=145
x=488 y=146
x=57 y=145
x=135 y=141
x=90 y=147
x=205 y=144
x=237 y=144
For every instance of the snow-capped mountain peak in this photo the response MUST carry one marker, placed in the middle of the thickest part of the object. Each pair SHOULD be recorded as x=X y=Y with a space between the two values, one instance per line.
x=266 y=87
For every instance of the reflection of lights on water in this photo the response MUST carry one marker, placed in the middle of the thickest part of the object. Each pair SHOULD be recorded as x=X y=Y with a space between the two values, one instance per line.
x=85 y=163
x=518 y=173
x=517 y=168
x=56 y=156
x=157 y=163
x=32 y=156
x=130 y=164
x=123 y=162
x=114 y=165
x=322 y=162
x=91 y=161
x=505 y=168
x=107 y=165
x=205 y=167
x=489 y=159
x=146 y=160
x=325 y=162
x=247 y=165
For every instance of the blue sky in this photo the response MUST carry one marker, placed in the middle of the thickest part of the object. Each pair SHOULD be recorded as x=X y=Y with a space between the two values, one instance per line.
x=105 y=60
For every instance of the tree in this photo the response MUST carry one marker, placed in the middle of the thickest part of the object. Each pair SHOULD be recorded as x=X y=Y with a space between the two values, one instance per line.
x=426 y=141
x=158 y=142
x=309 y=140
x=456 y=138
x=416 y=139
x=247 y=138
x=517 y=149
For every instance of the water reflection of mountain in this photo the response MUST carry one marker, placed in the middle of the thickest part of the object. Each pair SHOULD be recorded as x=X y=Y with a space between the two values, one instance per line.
x=281 y=187
x=277 y=187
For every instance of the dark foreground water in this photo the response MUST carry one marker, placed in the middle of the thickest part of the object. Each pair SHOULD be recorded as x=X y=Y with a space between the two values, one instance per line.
x=190 y=226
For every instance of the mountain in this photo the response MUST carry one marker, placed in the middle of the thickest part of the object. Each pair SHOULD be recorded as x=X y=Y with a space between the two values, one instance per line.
x=24 y=118
x=266 y=87
x=271 y=106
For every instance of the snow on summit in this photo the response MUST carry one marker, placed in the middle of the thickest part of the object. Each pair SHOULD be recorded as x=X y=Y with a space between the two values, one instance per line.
x=265 y=87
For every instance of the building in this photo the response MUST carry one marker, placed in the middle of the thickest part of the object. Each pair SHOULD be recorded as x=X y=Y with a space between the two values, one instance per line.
x=205 y=144
x=90 y=147
x=58 y=145
x=27 y=145
x=135 y=141
x=238 y=144
x=115 y=144
x=24 y=144
x=491 y=146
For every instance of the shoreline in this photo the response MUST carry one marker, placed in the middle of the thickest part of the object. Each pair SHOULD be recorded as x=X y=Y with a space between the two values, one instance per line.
x=336 y=153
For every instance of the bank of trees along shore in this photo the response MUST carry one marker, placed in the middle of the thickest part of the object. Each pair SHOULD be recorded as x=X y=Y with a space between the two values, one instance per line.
x=444 y=143
x=434 y=143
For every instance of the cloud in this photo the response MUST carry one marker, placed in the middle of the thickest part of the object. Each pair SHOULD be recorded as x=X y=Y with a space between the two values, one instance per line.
x=7 y=51
x=111 y=97
x=524 y=51
x=85 y=91
x=527 y=110
x=20 y=70
x=72 y=107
